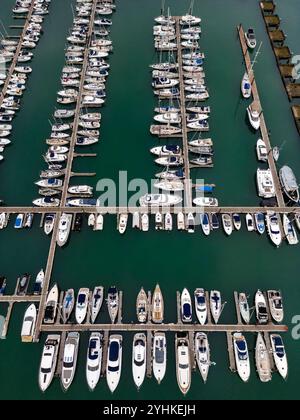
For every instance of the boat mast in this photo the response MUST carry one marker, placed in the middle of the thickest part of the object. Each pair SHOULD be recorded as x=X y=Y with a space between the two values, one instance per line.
x=255 y=57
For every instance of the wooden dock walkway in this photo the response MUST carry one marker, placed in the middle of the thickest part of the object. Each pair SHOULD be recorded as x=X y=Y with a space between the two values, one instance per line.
x=263 y=128
x=149 y=354
x=237 y=307
x=104 y=353
x=20 y=299
x=230 y=328
x=60 y=356
x=187 y=183
x=14 y=62
x=232 y=364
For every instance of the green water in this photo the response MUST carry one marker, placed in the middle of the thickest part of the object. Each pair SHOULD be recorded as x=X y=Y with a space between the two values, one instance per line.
x=241 y=262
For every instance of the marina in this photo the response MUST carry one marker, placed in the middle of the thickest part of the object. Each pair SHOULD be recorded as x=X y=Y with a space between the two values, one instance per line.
x=125 y=323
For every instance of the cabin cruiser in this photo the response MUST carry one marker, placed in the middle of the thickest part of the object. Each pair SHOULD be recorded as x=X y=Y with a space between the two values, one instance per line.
x=202 y=352
x=188 y=20
x=48 y=361
x=279 y=355
x=186 y=306
x=122 y=224
x=145 y=222
x=236 y=220
x=168 y=150
x=64 y=228
x=265 y=183
x=183 y=364
x=275 y=305
x=159 y=200
x=170 y=161
x=69 y=359
x=23 y=283
x=139 y=359
x=254 y=111
x=164 y=130
x=215 y=305
x=94 y=360
x=262 y=359
x=51 y=305
x=159 y=356
x=272 y=222
x=49 y=223
x=68 y=305
x=82 y=305
x=261 y=151
x=114 y=361
x=50 y=183
x=289 y=230
x=142 y=306
x=39 y=282
x=241 y=356
x=113 y=303
x=96 y=303
x=261 y=308
x=28 y=326
x=249 y=222
x=163 y=82
x=157 y=306
x=259 y=222
x=190 y=223
x=82 y=202
x=244 y=308
x=214 y=221
x=200 y=305
x=180 y=221
x=289 y=183
x=171 y=174
x=246 y=86
x=158 y=221
x=80 y=190
x=227 y=223
x=19 y=221
x=205 y=201
x=250 y=38
x=136 y=223
x=168 y=222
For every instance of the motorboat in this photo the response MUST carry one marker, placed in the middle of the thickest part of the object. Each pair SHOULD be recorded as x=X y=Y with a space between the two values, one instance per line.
x=261 y=151
x=246 y=86
x=289 y=231
x=236 y=220
x=180 y=221
x=96 y=303
x=94 y=360
x=136 y=222
x=164 y=82
x=262 y=359
x=19 y=221
x=51 y=305
x=68 y=305
x=82 y=202
x=188 y=20
x=158 y=221
x=289 y=183
x=227 y=223
x=205 y=201
x=279 y=355
x=260 y=223
x=275 y=305
x=241 y=356
x=164 y=130
x=276 y=153
x=214 y=220
x=82 y=304
x=81 y=190
x=273 y=228
x=142 y=306
x=254 y=112
x=122 y=223
x=145 y=222
x=159 y=356
x=249 y=222
x=202 y=353
x=244 y=307
x=3 y=284
x=49 y=183
x=91 y=220
x=261 y=308
x=28 y=220
x=190 y=223
x=98 y=224
x=113 y=303
x=114 y=361
x=48 y=361
x=157 y=306
x=215 y=305
x=183 y=364
x=204 y=219
x=168 y=150
x=168 y=225
x=29 y=322
x=159 y=200
x=186 y=306
x=64 y=228
x=39 y=282
x=69 y=359
x=169 y=161
x=23 y=283
x=139 y=359
x=168 y=118
x=200 y=305
x=265 y=183
x=250 y=38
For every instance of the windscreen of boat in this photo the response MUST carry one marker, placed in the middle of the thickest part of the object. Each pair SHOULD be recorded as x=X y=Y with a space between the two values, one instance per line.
x=183 y=366
x=49 y=312
x=201 y=300
x=159 y=354
x=262 y=310
x=279 y=347
x=242 y=352
x=81 y=299
x=187 y=310
x=93 y=355
x=278 y=304
x=114 y=351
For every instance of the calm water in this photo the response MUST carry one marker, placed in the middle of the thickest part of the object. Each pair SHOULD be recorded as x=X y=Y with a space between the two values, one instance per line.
x=243 y=262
